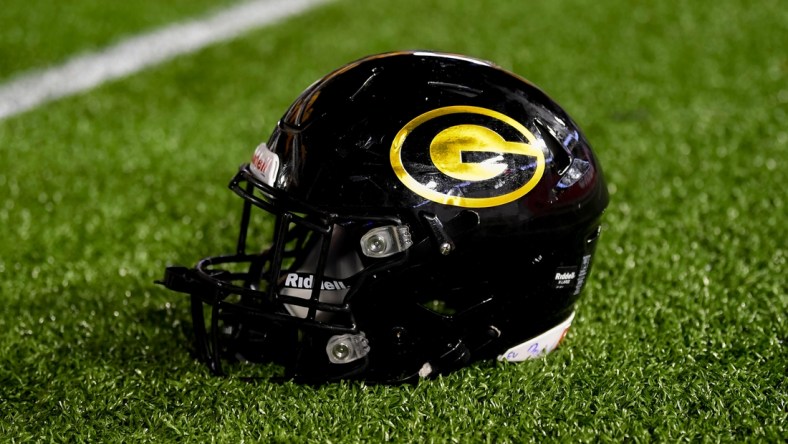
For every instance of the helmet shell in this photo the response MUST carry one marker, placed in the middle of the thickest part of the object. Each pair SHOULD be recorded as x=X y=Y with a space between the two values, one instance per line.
x=376 y=135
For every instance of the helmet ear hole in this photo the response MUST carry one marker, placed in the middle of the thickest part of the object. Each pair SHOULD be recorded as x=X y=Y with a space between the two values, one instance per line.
x=439 y=306
x=451 y=302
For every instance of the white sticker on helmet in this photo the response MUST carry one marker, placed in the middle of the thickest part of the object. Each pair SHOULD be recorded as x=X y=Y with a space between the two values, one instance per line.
x=540 y=345
x=265 y=164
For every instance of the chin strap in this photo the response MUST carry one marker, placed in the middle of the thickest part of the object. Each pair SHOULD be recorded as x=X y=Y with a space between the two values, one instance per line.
x=454 y=356
x=459 y=354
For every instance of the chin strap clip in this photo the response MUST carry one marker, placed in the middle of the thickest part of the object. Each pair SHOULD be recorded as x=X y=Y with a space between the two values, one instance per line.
x=180 y=279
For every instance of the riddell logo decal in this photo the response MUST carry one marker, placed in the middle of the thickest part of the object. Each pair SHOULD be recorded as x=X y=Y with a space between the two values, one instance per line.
x=265 y=164
x=467 y=156
x=302 y=280
x=564 y=276
x=261 y=163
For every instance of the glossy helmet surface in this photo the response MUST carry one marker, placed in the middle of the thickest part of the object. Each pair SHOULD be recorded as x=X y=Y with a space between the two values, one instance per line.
x=421 y=211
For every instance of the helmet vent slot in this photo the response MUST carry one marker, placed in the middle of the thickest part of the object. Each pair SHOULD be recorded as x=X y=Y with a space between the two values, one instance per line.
x=560 y=155
x=439 y=306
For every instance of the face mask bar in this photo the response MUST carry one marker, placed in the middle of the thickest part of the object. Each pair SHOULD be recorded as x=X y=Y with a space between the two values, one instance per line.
x=293 y=231
x=243 y=290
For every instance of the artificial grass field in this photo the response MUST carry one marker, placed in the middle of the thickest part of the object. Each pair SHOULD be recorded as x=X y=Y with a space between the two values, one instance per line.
x=680 y=333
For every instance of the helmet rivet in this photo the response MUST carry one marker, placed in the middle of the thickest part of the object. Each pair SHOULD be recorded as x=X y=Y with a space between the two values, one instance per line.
x=340 y=351
x=445 y=248
x=399 y=335
x=376 y=243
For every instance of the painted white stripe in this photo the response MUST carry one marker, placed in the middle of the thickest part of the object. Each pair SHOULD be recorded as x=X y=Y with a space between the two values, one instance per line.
x=127 y=57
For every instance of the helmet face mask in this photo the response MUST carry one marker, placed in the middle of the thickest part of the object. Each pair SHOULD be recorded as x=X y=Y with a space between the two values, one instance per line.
x=428 y=210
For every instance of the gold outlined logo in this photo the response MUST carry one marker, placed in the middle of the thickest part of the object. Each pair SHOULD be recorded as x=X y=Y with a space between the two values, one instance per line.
x=467 y=156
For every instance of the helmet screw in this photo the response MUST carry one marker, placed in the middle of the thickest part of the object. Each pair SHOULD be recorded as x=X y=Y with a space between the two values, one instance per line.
x=445 y=248
x=376 y=244
x=340 y=351
x=399 y=334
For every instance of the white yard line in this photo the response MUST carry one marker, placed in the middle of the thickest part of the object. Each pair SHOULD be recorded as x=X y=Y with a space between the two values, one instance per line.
x=136 y=53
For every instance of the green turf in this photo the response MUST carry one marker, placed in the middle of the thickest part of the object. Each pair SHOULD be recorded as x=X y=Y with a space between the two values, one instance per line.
x=680 y=335
x=34 y=33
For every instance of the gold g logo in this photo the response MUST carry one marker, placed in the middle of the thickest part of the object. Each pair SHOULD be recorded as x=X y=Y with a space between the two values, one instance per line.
x=467 y=156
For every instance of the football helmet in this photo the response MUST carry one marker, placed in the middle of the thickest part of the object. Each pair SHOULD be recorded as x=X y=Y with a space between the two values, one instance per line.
x=420 y=211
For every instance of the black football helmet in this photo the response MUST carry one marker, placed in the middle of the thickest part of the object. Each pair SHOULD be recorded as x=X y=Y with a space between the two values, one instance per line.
x=421 y=211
